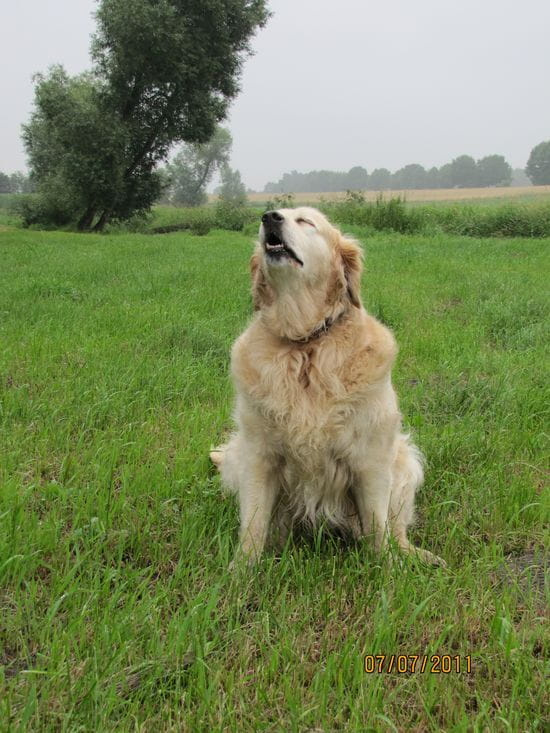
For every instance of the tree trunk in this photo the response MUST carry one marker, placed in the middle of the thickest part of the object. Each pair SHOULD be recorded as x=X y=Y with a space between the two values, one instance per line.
x=205 y=175
x=103 y=219
x=85 y=221
x=133 y=98
x=150 y=140
x=144 y=150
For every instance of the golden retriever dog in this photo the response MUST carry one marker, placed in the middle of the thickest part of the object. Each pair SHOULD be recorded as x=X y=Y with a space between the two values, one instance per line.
x=318 y=429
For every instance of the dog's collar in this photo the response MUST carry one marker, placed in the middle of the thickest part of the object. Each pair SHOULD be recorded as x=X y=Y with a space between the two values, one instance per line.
x=319 y=331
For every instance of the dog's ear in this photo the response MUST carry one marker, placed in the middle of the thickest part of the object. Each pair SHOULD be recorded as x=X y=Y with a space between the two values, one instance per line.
x=352 y=260
x=262 y=294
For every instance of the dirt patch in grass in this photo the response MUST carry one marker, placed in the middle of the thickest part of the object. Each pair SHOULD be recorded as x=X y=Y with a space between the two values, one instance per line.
x=528 y=569
x=15 y=662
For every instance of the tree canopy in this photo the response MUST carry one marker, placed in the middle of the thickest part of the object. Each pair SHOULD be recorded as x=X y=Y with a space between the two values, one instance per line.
x=379 y=179
x=538 y=165
x=463 y=172
x=493 y=170
x=411 y=176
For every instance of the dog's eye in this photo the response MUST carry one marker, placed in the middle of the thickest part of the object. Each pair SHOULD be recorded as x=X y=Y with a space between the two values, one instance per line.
x=305 y=221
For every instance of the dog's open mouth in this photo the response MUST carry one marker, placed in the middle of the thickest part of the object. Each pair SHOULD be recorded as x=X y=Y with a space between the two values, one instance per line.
x=277 y=249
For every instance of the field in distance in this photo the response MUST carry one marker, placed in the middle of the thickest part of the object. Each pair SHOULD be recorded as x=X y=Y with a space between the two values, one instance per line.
x=424 y=195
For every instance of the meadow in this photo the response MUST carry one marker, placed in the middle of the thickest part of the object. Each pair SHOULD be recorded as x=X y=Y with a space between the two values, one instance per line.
x=511 y=216
x=117 y=608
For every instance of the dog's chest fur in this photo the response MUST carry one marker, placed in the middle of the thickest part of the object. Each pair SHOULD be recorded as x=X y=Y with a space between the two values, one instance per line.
x=311 y=419
x=313 y=402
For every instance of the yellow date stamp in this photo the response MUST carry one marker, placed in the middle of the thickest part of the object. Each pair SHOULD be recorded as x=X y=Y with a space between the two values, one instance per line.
x=417 y=663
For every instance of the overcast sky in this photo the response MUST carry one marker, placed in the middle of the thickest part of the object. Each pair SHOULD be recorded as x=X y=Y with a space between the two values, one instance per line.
x=338 y=84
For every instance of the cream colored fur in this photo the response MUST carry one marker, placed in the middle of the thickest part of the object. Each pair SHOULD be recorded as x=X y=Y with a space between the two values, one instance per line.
x=319 y=432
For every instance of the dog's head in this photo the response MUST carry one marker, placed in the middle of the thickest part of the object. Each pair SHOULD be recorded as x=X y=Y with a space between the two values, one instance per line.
x=299 y=252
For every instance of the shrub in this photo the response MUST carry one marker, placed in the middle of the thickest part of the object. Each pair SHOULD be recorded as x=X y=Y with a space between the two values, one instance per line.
x=201 y=226
x=232 y=217
x=42 y=211
x=383 y=214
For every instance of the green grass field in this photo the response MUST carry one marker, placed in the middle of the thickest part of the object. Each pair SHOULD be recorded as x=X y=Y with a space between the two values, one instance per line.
x=118 y=612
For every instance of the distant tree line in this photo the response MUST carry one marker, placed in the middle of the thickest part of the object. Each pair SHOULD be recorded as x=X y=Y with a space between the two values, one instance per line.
x=462 y=172
x=15 y=183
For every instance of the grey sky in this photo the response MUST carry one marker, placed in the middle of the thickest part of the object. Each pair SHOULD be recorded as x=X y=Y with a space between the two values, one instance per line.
x=337 y=84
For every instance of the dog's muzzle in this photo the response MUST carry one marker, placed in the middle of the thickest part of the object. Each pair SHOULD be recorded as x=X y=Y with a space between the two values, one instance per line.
x=274 y=245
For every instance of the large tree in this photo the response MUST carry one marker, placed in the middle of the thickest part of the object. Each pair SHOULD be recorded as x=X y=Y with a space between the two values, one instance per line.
x=411 y=176
x=73 y=145
x=165 y=71
x=464 y=172
x=232 y=190
x=432 y=177
x=445 y=176
x=493 y=170
x=357 y=178
x=194 y=165
x=538 y=165
x=380 y=179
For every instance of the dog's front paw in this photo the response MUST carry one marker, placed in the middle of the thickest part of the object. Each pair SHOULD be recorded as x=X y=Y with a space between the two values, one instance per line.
x=429 y=558
x=244 y=559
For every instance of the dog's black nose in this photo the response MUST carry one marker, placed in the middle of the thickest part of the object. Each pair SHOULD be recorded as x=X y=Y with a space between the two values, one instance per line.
x=272 y=217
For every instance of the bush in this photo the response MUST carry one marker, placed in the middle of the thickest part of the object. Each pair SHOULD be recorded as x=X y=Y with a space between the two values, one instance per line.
x=201 y=227
x=383 y=214
x=42 y=211
x=233 y=217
